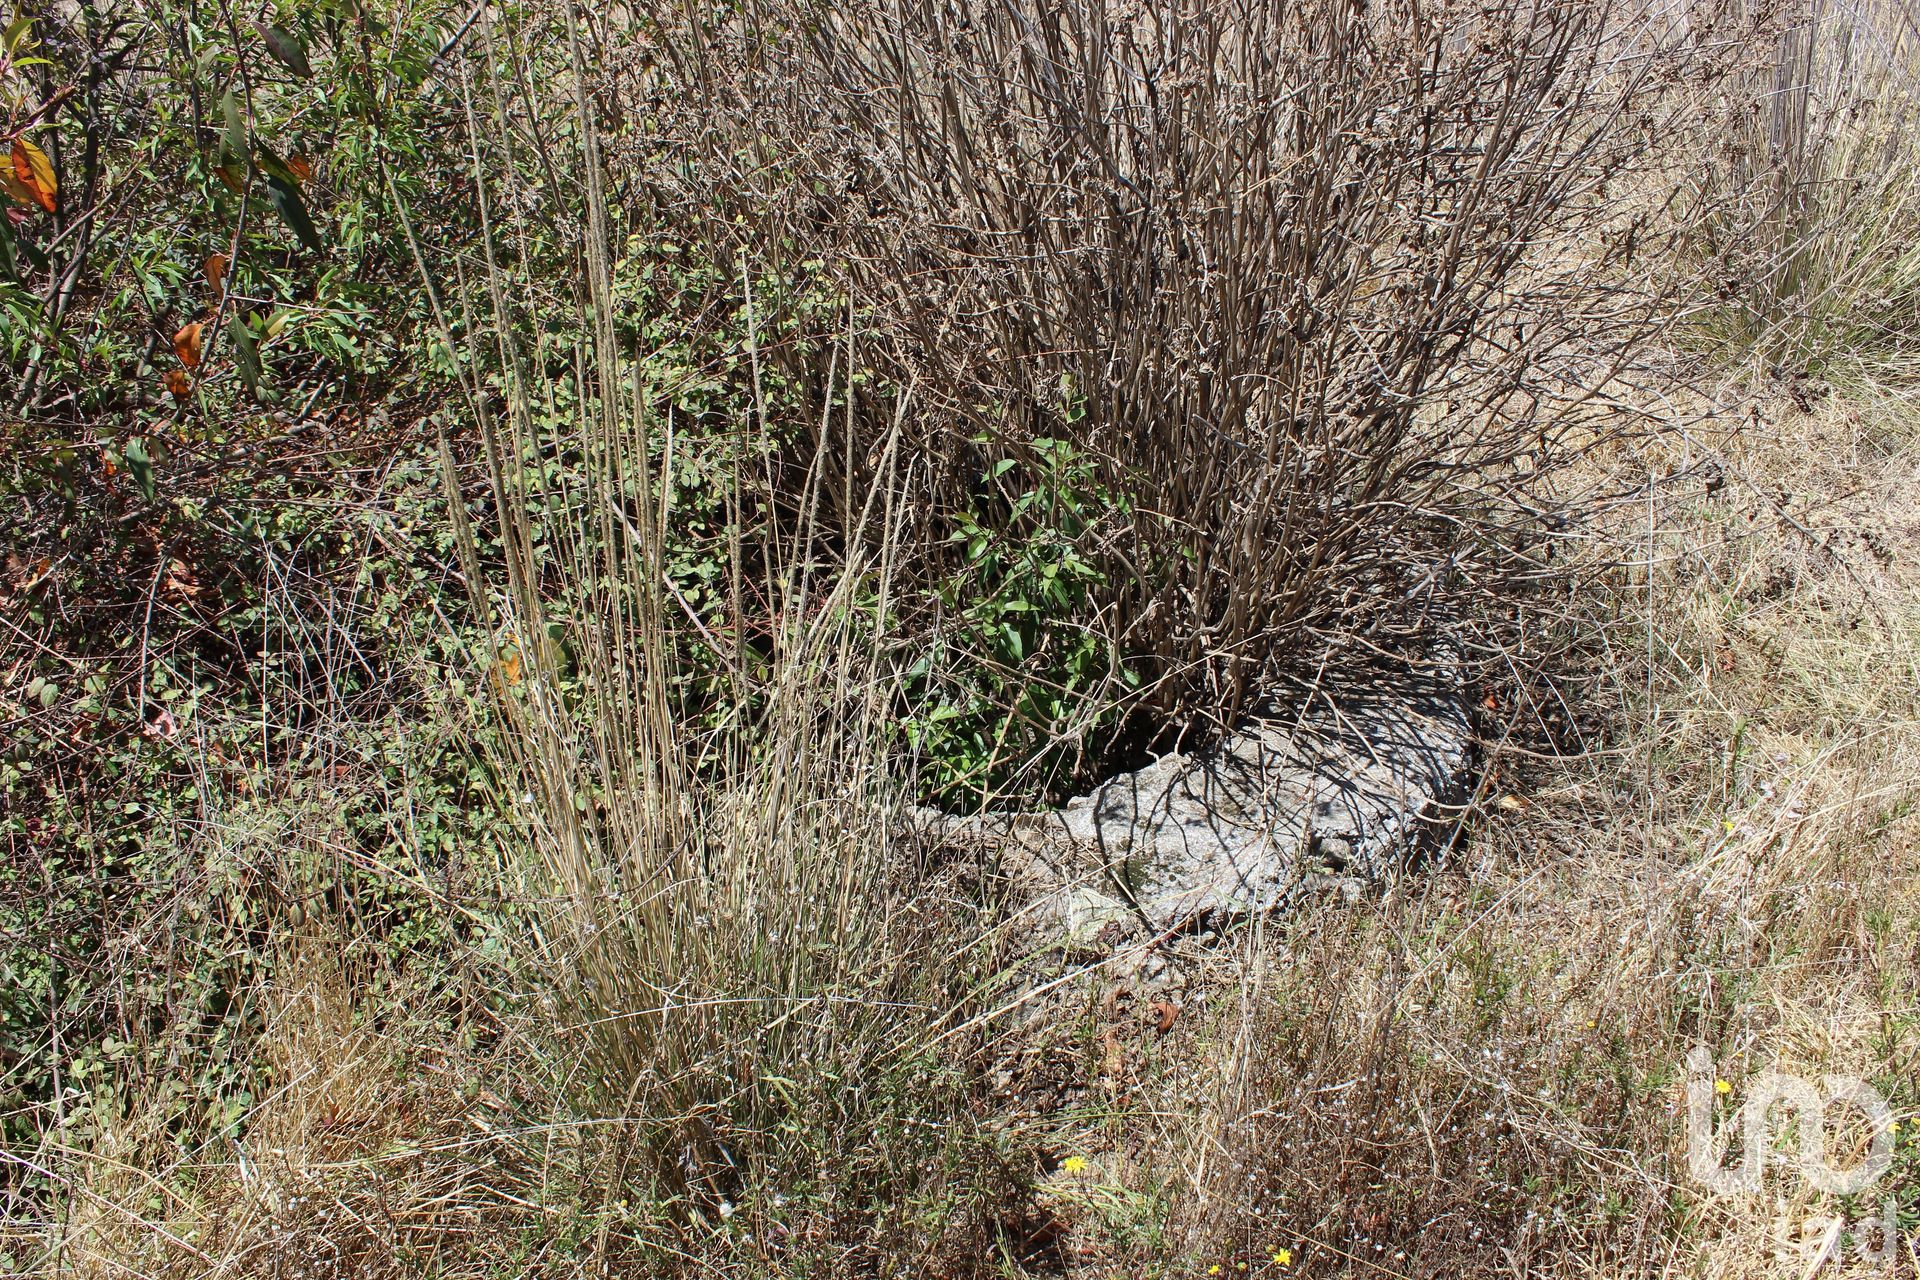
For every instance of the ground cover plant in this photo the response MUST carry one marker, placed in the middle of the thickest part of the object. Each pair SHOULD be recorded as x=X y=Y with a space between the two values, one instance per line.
x=519 y=518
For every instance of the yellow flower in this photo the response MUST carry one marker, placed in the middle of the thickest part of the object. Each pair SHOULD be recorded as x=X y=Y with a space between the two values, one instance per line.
x=1722 y=1087
x=1283 y=1257
x=1074 y=1164
x=1214 y=1270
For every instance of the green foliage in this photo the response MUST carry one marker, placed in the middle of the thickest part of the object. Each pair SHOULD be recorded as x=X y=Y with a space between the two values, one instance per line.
x=177 y=797
x=221 y=565
x=1021 y=674
x=240 y=702
x=242 y=193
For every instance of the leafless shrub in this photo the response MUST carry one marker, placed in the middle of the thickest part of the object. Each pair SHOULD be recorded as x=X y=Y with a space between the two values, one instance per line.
x=1317 y=286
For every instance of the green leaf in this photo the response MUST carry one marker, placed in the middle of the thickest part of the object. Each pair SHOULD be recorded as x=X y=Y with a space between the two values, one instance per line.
x=234 y=145
x=286 y=49
x=246 y=355
x=293 y=211
x=140 y=465
x=274 y=166
x=35 y=257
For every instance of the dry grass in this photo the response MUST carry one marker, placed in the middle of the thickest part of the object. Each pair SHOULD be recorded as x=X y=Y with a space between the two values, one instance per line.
x=716 y=1038
x=373 y=1151
x=1483 y=1071
x=1810 y=193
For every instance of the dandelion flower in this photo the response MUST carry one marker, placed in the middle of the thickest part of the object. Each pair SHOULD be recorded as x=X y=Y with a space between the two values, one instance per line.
x=1722 y=1087
x=1075 y=1164
x=1214 y=1270
x=1283 y=1257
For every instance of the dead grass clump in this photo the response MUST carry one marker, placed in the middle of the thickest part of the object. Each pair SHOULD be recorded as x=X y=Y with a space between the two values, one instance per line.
x=1810 y=195
x=367 y=1153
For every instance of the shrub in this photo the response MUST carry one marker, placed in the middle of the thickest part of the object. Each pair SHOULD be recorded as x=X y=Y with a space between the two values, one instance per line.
x=1016 y=677
x=1305 y=285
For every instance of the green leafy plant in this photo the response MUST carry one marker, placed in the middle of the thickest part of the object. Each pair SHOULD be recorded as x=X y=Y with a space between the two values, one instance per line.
x=1020 y=676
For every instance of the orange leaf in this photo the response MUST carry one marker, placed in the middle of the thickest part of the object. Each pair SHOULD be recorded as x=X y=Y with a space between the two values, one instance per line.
x=186 y=345
x=301 y=166
x=1164 y=1013
x=510 y=666
x=14 y=187
x=216 y=268
x=179 y=383
x=33 y=170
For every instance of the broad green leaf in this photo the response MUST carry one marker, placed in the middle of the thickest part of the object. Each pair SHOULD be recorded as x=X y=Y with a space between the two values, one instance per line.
x=293 y=211
x=286 y=49
x=246 y=356
x=140 y=465
x=235 y=143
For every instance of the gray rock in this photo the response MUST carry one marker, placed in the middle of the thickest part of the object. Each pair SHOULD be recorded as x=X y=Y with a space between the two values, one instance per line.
x=1325 y=788
x=1084 y=913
